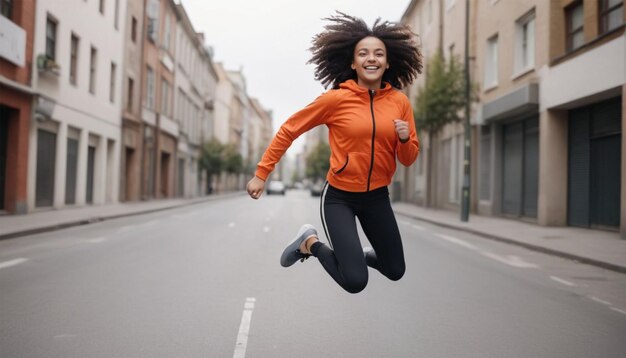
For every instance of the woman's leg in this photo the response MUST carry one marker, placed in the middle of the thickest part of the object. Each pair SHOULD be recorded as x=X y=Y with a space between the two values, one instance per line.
x=344 y=259
x=379 y=225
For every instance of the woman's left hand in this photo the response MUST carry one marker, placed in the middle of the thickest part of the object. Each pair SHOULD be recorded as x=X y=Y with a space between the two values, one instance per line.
x=402 y=128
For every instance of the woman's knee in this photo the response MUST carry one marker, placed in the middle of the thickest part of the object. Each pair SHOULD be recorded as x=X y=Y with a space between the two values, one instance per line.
x=355 y=283
x=395 y=272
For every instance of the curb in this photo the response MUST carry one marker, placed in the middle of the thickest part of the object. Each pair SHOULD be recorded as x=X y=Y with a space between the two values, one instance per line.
x=545 y=250
x=97 y=219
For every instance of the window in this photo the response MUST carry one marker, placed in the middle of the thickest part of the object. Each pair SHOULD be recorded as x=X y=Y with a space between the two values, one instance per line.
x=130 y=94
x=491 y=63
x=6 y=8
x=150 y=88
x=133 y=30
x=575 y=21
x=51 y=38
x=92 y=70
x=152 y=11
x=112 y=82
x=101 y=7
x=116 y=14
x=485 y=163
x=165 y=97
x=525 y=42
x=73 y=59
x=611 y=15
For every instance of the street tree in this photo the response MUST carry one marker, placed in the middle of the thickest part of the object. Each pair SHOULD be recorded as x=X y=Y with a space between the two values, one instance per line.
x=211 y=161
x=318 y=162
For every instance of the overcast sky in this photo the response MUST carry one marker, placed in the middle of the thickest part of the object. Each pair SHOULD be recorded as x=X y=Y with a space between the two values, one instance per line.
x=270 y=39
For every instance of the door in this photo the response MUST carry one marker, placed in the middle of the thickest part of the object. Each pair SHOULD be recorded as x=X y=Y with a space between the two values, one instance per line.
x=594 y=165
x=46 y=159
x=91 y=159
x=512 y=169
x=71 y=171
x=181 y=177
x=130 y=162
x=165 y=174
x=4 y=128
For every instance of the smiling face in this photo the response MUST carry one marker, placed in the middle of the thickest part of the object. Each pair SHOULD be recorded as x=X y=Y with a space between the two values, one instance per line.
x=370 y=62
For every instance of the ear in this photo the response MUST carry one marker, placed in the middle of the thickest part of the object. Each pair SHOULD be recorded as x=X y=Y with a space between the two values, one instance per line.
x=352 y=66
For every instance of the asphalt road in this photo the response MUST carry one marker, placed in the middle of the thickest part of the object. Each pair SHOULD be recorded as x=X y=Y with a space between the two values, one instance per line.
x=205 y=281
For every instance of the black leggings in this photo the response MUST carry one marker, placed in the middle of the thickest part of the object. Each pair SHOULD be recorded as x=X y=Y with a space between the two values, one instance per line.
x=344 y=259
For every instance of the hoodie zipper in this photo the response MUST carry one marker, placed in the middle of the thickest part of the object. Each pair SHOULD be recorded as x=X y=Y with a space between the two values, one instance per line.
x=369 y=175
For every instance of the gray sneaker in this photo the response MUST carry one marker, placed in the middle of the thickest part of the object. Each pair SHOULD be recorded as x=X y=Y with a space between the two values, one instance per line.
x=292 y=252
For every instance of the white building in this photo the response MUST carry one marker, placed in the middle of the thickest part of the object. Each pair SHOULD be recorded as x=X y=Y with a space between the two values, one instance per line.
x=75 y=134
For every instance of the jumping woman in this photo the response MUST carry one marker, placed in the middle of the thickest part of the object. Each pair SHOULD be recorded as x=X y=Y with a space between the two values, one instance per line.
x=370 y=124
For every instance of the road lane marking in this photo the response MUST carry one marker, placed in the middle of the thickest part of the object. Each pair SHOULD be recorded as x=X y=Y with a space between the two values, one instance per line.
x=231 y=224
x=565 y=282
x=460 y=242
x=266 y=229
x=600 y=301
x=509 y=260
x=12 y=262
x=618 y=310
x=404 y=222
x=244 y=328
x=417 y=227
x=96 y=240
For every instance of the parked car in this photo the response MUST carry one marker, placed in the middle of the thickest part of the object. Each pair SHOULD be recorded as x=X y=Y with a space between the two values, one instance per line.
x=276 y=187
x=316 y=188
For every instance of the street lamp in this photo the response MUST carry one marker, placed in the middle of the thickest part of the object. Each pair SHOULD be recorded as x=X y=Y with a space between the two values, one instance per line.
x=465 y=197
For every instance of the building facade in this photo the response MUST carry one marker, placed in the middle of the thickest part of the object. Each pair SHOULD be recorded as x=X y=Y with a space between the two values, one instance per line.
x=548 y=139
x=160 y=137
x=195 y=87
x=74 y=141
x=131 y=155
x=17 y=24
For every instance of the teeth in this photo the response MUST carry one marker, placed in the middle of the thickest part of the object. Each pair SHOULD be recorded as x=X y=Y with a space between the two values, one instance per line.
x=371 y=68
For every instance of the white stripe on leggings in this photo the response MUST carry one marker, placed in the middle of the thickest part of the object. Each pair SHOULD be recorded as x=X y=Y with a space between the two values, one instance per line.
x=322 y=213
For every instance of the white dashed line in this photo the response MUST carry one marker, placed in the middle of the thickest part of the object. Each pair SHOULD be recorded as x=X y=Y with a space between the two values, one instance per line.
x=12 y=262
x=231 y=225
x=417 y=227
x=565 y=282
x=244 y=328
x=97 y=240
x=459 y=242
x=125 y=228
x=618 y=310
x=600 y=300
x=509 y=260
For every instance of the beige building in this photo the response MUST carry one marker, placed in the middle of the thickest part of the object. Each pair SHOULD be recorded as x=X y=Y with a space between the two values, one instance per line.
x=195 y=84
x=435 y=180
x=132 y=125
x=160 y=129
x=548 y=142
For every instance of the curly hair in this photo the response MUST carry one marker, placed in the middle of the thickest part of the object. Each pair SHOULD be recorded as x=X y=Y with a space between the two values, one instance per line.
x=333 y=50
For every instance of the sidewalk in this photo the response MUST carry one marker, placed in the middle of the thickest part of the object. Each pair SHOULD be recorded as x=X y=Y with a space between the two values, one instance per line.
x=48 y=220
x=600 y=248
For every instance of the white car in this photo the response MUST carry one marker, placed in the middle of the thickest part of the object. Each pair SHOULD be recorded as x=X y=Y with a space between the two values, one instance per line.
x=276 y=187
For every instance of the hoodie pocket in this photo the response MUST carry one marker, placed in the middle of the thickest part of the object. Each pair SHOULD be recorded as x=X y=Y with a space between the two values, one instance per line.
x=354 y=169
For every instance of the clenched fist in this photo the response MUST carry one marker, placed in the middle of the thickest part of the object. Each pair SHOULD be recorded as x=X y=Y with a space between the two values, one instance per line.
x=402 y=128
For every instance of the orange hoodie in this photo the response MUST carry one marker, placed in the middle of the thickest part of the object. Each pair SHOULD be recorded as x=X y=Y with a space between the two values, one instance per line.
x=362 y=135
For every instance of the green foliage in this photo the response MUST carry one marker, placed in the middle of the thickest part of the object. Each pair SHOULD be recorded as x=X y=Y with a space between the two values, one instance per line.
x=211 y=159
x=318 y=162
x=233 y=161
x=443 y=97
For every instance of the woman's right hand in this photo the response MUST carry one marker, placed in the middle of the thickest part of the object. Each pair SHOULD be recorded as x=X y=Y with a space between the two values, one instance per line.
x=255 y=187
